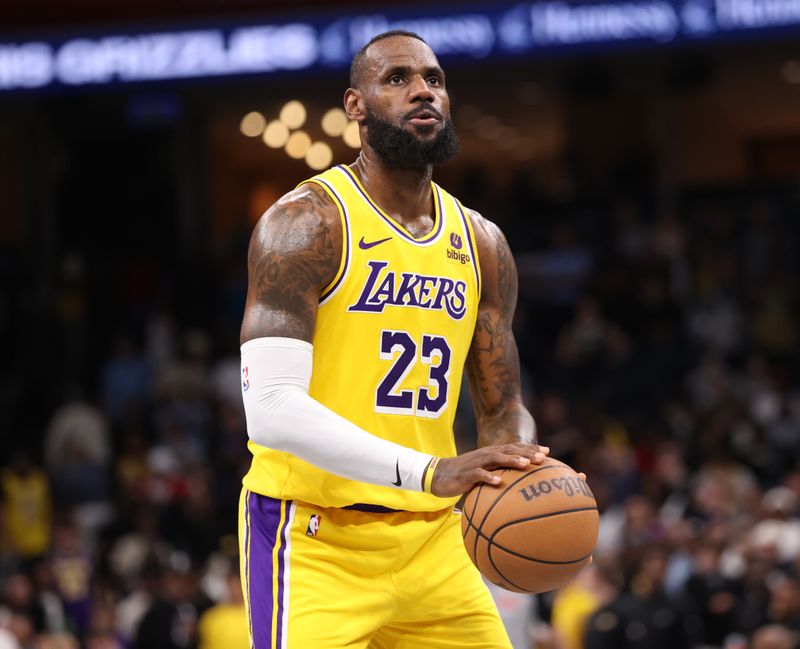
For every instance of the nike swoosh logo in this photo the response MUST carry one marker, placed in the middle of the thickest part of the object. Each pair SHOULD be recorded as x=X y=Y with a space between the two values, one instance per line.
x=397 y=466
x=366 y=246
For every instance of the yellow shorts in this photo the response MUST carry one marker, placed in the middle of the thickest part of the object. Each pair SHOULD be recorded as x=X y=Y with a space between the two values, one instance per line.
x=336 y=578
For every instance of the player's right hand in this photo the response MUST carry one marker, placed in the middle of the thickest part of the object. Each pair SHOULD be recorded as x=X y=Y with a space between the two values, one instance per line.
x=457 y=475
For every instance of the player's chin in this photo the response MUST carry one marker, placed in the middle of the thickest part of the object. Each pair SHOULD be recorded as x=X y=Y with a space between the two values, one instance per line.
x=426 y=131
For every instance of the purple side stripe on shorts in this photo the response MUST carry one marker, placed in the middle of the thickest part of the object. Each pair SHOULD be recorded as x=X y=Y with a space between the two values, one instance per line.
x=265 y=519
x=247 y=564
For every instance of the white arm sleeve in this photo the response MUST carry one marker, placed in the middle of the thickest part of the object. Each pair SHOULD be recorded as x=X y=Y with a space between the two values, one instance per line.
x=276 y=373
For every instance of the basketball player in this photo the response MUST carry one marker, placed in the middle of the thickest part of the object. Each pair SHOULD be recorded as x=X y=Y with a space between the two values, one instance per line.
x=370 y=290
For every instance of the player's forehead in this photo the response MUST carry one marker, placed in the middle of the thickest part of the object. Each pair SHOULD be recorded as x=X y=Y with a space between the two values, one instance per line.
x=399 y=52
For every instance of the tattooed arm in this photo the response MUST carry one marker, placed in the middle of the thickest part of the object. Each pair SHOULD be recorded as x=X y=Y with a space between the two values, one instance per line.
x=294 y=253
x=506 y=432
x=492 y=365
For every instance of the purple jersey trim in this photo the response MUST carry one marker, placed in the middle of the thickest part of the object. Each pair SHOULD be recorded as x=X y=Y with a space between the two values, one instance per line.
x=430 y=238
x=472 y=248
x=346 y=235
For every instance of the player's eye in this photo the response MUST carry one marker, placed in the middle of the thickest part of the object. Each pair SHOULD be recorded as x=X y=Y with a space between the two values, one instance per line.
x=396 y=79
x=434 y=81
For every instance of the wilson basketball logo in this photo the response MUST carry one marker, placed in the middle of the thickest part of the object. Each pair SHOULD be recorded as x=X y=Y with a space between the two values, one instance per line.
x=570 y=486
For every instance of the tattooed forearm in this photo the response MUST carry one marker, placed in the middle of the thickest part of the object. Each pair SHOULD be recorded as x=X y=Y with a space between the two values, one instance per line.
x=294 y=253
x=493 y=362
x=493 y=374
x=512 y=426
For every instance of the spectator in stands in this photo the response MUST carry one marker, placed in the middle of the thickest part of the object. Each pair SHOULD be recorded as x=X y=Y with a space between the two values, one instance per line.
x=28 y=507
x=224 y=625
x=774 y=636
x=171 y=620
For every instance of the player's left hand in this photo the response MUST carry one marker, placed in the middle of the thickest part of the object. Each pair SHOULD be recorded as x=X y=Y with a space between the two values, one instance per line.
x=456 y=475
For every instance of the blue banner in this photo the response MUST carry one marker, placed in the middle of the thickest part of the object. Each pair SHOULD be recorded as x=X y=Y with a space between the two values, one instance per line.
x=497 y=29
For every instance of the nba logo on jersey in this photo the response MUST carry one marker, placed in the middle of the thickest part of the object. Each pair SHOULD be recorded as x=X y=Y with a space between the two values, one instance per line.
x=245 y=379
x=455 y=241
x=313 y=525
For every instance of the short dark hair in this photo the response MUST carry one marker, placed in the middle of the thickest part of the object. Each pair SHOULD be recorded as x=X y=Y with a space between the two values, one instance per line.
x=357 y=66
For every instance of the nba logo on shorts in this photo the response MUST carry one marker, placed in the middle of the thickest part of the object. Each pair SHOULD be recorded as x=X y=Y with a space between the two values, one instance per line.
x=455 y=241
x=245 y=379
x=313 y=525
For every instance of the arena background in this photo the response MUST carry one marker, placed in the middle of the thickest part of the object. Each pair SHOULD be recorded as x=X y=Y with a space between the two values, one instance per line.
x=643 y=159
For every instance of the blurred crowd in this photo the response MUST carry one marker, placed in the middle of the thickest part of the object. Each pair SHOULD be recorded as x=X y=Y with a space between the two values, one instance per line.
x=660 y=356
x=662 y=360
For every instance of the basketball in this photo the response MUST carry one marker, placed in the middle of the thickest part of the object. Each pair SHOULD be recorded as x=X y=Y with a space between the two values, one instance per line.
x=534 y=531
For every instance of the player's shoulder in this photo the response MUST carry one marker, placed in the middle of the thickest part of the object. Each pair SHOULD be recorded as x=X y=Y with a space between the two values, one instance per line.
x=488 y=235
x=307 y=204
x=305 y=217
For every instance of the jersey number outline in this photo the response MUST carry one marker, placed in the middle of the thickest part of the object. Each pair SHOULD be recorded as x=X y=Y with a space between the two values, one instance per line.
x=401 y=347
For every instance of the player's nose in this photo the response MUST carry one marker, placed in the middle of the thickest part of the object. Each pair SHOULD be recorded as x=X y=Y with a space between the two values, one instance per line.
x=419 y=89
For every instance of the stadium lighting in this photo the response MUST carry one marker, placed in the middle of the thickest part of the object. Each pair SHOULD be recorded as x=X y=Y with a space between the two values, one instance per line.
x=276 y=134
x=293 y=114
x=334 y=122
x=319 y=156
x=252 y=124
x=297 y=145
x=351 y=137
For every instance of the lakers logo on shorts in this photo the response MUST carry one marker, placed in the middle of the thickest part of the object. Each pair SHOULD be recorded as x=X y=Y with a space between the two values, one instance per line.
x=313 y=525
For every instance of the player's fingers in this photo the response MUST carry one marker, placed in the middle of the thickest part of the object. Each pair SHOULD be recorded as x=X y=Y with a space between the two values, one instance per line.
x=541 y=454
x=528 y=450
x=533 y=452
x=482 y=475
x=514 y=461
x=539 y=457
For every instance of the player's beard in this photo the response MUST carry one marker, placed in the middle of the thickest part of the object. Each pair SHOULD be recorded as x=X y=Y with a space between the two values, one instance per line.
x=402 y=150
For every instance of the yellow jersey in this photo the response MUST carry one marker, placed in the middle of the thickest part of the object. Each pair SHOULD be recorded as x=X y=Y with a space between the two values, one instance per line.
x=223 y=626
x=392 y=333
x=27 y=512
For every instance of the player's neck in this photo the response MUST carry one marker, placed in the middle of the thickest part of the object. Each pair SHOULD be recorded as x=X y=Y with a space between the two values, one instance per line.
x=404 y=194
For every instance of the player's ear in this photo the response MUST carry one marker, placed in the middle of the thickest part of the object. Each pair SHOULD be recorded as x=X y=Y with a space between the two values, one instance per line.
x=354 y=104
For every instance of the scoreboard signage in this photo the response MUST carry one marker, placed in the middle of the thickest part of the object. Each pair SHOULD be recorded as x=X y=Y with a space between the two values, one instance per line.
x=496 y=30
